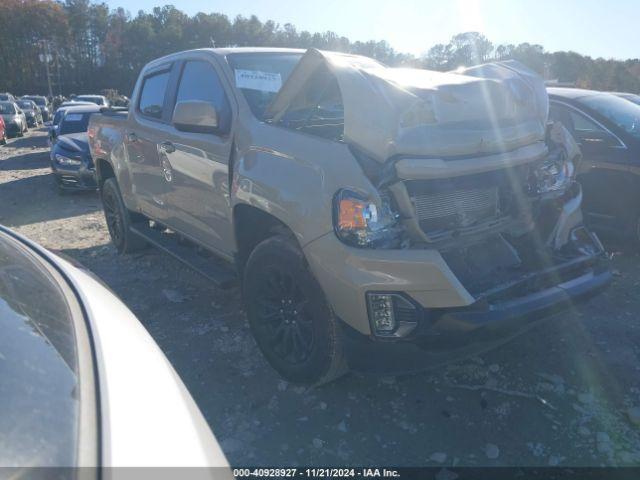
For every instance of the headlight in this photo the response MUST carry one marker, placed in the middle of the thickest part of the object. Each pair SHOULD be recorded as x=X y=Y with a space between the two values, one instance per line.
x=62 y=160
x=554 y=174
x=361 y=223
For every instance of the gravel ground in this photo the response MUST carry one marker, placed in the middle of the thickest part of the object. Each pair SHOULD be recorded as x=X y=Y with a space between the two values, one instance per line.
x=567 y=393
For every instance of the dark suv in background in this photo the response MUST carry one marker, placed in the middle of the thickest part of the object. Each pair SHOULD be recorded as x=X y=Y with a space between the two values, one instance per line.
x=607 y=129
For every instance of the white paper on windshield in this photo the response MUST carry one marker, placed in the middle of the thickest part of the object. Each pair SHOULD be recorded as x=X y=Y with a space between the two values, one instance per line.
x=73 y=117
x=256 y=80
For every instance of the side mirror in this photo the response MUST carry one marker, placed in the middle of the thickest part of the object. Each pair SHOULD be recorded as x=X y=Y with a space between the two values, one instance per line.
x=195 y=116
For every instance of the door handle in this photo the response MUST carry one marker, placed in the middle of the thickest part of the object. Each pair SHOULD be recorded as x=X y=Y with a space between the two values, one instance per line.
x=132 y=137
x=167 y=147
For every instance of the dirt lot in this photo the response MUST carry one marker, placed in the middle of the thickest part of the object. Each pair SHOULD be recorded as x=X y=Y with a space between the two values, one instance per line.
x=564 y=394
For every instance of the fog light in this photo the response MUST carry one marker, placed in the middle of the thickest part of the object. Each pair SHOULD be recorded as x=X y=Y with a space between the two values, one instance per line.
x=381 y=312
x=391 y=314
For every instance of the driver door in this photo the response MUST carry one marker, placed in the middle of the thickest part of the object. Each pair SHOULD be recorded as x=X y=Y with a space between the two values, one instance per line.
x=197 y=163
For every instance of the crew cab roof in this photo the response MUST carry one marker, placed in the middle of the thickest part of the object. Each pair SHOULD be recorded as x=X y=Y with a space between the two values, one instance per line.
x=223 y=52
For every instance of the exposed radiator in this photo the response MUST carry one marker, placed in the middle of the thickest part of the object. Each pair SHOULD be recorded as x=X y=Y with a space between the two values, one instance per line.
x=454 y=209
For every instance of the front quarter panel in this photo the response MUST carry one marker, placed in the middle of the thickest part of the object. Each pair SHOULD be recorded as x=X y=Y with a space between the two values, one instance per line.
x=294 y=177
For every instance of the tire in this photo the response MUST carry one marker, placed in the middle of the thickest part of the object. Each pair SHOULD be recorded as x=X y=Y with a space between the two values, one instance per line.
x=289 y=316
x=118 y=219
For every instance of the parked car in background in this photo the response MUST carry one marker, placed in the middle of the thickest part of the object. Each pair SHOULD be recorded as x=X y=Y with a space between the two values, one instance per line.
x=70 y=158
x=14 y=119
x=73 y=103
x=7 y=97
x=632 y=97
x=57 y=117
x=73 y=357
x=31 y=112
x=376 y=216
x=3 y=132
x=97 y=99
x=607 y=129
x=43 y=105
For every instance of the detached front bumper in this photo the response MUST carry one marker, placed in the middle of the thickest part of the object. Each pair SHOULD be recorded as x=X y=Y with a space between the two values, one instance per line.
x=447 y=335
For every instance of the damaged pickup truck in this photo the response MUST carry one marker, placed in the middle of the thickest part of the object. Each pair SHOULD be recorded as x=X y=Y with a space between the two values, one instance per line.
x=420 y=216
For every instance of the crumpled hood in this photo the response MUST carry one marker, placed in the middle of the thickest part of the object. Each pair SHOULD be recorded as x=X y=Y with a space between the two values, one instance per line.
x=74 y=142
x=412 y=112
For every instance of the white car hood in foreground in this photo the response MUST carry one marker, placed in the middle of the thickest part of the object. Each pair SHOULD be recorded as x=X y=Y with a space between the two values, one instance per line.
x=148 y=417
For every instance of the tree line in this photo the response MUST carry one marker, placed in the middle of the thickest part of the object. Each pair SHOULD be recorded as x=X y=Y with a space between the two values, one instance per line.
x=87 y=47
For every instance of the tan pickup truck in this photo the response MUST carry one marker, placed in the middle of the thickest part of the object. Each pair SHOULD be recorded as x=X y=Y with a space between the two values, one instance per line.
x=374 y=217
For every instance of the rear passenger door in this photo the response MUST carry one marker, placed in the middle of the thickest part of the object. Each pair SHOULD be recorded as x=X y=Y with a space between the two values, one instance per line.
x=150 y=116
x=199 y=162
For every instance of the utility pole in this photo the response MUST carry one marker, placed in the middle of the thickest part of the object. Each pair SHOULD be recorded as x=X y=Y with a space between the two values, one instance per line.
x=46 y=58
x=58 y=73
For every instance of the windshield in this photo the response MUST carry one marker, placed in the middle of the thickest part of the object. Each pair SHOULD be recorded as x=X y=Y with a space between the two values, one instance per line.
x=39 y=386
x=4 y=96
x=623 y=113
x=74 y=122
x=259 y=76
x=7 y=108
x=24 y=104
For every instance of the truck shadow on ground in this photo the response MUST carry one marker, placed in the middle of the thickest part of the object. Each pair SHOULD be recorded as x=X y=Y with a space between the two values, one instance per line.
x=43 y=193
x=33 y=139
x=26 y=161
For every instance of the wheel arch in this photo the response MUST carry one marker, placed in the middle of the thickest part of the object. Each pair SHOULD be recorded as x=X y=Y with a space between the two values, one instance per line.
x=104 y=170
x=251 y=226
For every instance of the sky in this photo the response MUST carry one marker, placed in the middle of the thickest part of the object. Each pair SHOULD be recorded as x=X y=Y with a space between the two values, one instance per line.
x=599 y=28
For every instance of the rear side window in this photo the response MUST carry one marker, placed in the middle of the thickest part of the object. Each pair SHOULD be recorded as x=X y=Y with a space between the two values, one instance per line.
x=152 y=94
x=200 y=81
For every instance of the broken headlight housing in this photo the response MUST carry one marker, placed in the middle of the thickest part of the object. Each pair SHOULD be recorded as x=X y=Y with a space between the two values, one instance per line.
x=553 y=174
x=362 y=223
